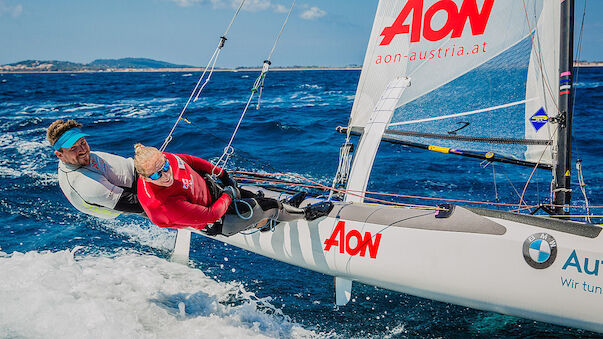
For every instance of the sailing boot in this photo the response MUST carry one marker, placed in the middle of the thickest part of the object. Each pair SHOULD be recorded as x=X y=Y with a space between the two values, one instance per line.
x=318 y=210
x=296 y=199
x=287 y=212
x=213 y=229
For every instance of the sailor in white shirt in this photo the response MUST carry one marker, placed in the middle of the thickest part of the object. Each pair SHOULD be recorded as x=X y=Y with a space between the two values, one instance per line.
x=96 y=183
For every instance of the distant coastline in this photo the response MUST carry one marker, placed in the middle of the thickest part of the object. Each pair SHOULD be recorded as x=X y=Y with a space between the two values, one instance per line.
x=132 y=65
x=126 y=65
x=588 y=64
x=187 y=70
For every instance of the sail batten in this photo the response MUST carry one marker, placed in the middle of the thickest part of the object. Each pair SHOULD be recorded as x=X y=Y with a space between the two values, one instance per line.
x=483 y=110
x=452 y=136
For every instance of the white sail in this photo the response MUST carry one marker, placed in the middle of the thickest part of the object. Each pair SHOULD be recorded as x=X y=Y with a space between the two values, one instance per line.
x=469 y=62
x=542 y=84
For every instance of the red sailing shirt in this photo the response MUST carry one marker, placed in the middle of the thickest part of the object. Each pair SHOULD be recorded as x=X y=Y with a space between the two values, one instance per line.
x=187 y=202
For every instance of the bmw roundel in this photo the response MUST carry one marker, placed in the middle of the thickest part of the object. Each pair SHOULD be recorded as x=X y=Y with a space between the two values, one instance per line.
x=540 y=250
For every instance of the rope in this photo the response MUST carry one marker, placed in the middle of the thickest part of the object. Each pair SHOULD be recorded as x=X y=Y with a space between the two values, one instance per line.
x=494 y=179
x=525 y=187
x=239 y=213
x=538 y=58
x=579 y=52
x=195 y=93
x=282 y=29
x=321 y=186
x=583 y=189
x=259 y=83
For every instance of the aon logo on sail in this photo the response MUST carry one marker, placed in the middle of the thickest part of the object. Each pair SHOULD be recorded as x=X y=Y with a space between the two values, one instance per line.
x=353 y=242
x=422 y=22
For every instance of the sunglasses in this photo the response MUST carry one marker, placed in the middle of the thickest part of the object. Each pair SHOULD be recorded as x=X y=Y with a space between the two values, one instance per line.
x=158 y=174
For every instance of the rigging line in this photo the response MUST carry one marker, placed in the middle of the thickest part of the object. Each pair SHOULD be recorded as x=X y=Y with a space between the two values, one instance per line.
x=577 y=206
x=511 y=183
x=577 y=69
x=576 y=215
x=213 y=58
x=229 y=150
x=494 y=179
x=282 y=29
x=247 y=156
x=462 y=114
x=211 y=72
x=582 y=184
x=534 y=169
x=318 y=185
x=233 y=17
x=217 y=51
x=259 y=82
x=354 y=194
x=538 y=58
x=381 y=193
x=538 y=53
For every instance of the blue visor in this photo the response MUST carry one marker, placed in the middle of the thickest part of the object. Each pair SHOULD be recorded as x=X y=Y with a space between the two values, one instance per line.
x=69 y=138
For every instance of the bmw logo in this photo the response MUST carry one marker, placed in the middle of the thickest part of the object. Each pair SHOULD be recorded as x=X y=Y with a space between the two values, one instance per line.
x=540 y=250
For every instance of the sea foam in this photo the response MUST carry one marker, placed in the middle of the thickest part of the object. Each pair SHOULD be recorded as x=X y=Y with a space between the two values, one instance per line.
x=59 y=295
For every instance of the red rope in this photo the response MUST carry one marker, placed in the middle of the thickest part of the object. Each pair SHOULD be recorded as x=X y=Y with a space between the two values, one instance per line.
x=359 y=193
x=321 y=186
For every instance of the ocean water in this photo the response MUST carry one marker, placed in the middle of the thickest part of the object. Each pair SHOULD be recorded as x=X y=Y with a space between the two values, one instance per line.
x=64 y=274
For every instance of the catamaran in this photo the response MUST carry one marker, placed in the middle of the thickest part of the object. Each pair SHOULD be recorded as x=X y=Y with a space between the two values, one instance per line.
x=488 y=79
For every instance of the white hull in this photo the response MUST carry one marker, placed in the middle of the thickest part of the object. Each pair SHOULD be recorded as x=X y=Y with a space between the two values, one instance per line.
x=466 y=259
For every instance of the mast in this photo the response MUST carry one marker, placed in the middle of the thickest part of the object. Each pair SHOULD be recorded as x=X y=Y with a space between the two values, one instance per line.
x=564 y=141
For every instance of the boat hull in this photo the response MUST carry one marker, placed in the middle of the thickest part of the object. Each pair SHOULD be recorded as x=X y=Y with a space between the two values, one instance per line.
x=467 y=258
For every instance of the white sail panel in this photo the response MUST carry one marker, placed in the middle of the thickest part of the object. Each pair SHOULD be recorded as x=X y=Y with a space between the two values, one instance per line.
x=542 y=84
x=375 y=77
x=435 y=42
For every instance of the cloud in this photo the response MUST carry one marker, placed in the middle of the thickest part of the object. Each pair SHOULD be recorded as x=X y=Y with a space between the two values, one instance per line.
x=313 y=13
x=17 y=10
x=255 y=5
x=14 y=10
x=188 y=3
x=280 y=8
x=252 y=6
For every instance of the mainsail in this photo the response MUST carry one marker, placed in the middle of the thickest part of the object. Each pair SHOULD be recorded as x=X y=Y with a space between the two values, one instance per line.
x=483 y=74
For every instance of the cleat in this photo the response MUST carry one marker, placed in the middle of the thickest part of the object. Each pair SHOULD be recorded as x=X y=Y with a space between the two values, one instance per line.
x=318 y=210
x=296 y=199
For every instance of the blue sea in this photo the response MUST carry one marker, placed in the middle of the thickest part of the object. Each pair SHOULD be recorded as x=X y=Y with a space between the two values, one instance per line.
x=64 y=274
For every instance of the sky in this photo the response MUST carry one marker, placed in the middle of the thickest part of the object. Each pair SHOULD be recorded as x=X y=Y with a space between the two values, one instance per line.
x=319 y=32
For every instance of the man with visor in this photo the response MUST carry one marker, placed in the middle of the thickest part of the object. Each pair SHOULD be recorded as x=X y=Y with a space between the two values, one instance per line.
x=95 y=183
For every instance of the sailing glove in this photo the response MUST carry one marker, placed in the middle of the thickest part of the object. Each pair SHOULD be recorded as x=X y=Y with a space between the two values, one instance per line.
x=227 y=180
x=233 y=192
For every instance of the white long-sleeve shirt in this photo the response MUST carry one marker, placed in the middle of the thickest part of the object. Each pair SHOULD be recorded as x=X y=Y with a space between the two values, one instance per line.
x=95 y=189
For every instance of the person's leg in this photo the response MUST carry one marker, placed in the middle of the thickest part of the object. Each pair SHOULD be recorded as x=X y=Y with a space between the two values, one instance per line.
x=248 y=213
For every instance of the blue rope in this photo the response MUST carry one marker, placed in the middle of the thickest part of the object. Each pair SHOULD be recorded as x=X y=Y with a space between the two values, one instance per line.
x=239 y=213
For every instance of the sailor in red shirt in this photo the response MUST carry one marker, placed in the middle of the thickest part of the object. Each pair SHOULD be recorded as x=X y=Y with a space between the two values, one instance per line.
x=176 y=191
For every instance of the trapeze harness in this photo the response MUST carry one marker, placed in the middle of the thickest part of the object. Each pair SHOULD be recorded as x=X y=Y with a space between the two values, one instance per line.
x=195 y=200
x=104 y=188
